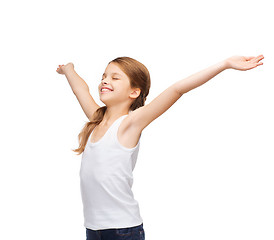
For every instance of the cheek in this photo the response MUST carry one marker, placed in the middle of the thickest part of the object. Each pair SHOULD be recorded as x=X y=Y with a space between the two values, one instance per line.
x=121 y=90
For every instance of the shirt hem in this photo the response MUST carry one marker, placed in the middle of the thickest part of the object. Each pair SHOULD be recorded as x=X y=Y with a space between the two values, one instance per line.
x=94 y=228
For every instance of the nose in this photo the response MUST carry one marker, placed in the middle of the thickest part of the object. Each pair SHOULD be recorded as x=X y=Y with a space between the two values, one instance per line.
x=104 y=81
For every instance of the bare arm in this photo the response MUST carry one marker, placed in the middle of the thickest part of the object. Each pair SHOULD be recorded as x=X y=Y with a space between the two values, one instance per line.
x=143 y=116
x=80 y=89
x=75 y=81
x=197 y=79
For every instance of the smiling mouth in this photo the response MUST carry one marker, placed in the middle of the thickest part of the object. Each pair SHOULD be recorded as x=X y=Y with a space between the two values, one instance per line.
x=106 y=91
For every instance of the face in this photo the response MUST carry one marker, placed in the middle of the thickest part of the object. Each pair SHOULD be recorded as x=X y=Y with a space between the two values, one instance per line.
x=117 y=84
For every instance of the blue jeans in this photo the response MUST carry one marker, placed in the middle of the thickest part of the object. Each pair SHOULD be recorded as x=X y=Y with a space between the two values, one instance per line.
x=131 y=233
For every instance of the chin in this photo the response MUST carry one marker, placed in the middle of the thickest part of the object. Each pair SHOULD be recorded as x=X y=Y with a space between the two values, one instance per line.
x=104 y=100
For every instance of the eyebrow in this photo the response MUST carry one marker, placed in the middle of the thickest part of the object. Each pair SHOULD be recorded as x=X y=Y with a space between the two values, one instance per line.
x=113 y=74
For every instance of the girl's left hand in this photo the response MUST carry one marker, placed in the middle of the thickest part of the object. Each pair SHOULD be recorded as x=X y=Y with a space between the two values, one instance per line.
x=244 y=63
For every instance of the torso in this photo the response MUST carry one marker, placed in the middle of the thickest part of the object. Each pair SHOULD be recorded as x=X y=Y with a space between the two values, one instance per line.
x=127 y=135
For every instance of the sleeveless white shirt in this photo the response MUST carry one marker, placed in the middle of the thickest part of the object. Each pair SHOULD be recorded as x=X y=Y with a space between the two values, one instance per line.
x=106 y=180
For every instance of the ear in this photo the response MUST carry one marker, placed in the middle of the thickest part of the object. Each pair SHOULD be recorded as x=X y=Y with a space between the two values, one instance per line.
x=135 y=93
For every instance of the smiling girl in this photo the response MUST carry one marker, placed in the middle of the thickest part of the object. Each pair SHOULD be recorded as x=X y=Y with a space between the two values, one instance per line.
x=110 y=141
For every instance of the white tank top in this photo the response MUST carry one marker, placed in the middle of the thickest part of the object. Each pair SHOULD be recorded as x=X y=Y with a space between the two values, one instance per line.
x=106 y=179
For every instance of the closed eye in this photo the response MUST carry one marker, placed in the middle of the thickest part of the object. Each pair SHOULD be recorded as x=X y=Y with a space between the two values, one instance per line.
x=112 y=78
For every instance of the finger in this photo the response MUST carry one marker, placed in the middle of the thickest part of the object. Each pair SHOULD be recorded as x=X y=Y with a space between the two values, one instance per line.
x=249 y=58
x=255 y=65
x=257 y=59
x=260 y=57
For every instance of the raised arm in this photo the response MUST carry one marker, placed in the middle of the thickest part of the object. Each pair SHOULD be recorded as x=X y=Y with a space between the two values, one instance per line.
x=143 y=116
x=79 y=88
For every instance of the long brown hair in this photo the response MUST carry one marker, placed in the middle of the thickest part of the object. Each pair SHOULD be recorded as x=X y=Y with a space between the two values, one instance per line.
x=139 y=78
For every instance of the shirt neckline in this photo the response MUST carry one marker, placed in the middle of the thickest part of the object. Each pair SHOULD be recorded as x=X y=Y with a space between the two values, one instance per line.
x=95 y=143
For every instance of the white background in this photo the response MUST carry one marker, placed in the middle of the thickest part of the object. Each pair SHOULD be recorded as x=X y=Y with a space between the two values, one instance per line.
x=205 y=167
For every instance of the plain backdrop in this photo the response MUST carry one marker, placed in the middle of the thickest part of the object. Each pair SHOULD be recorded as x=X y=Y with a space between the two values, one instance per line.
x=205 y=167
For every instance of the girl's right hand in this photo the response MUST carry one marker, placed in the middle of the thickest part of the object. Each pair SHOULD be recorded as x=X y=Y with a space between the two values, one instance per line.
x=63 y=68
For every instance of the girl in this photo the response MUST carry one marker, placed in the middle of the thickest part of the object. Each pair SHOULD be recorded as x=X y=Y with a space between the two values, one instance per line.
x=110 y=140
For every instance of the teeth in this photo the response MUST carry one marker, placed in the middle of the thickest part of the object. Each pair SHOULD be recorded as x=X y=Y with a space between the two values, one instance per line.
x=106 y=90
